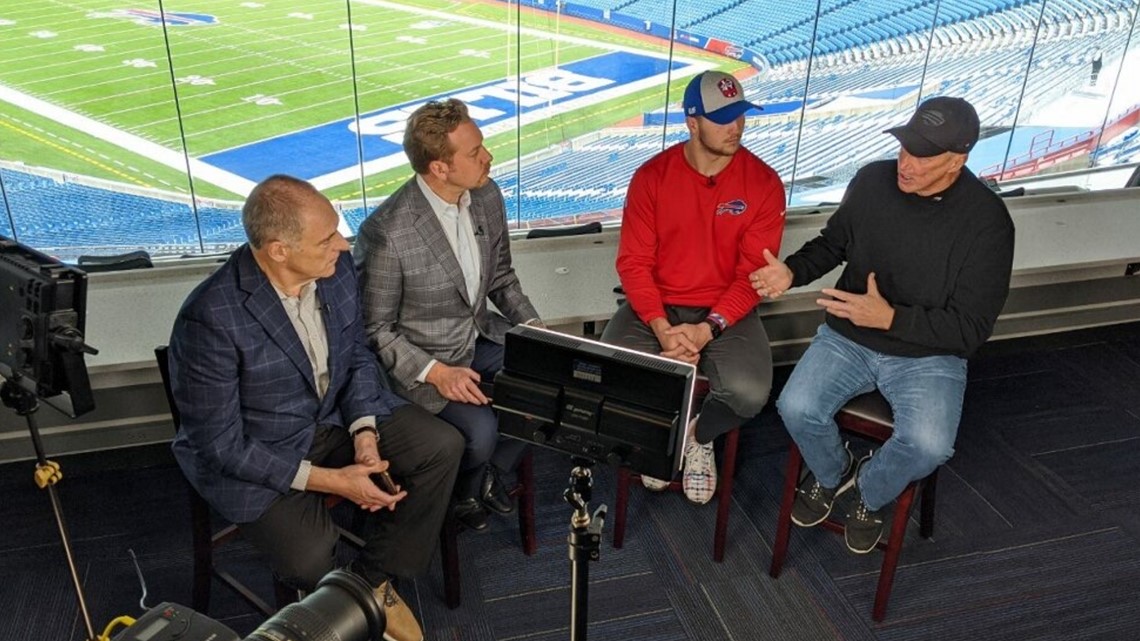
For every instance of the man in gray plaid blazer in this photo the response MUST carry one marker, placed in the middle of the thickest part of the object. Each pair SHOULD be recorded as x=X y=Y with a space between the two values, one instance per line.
x=431 y=257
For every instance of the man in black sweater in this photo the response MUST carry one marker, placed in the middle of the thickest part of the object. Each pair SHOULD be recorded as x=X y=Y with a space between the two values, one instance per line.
x=929 y=249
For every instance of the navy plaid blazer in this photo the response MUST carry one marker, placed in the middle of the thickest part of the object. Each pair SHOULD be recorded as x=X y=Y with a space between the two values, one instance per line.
x=245 y=389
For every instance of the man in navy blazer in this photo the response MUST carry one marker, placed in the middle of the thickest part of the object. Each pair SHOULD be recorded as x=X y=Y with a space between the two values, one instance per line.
x=281 y=404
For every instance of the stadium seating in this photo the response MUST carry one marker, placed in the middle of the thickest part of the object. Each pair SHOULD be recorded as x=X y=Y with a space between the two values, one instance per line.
x=865 y=50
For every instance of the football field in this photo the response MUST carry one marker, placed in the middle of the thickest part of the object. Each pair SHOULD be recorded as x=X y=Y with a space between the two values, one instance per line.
x=250 y=88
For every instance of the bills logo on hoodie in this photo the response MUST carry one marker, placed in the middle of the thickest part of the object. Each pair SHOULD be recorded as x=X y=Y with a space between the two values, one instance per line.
x=732 y=208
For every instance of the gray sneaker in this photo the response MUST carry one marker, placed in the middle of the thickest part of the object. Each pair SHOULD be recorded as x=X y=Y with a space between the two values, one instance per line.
x=813 y=501
x=864 y=527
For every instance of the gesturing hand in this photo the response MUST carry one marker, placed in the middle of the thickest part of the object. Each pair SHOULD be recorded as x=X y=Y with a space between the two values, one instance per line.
x=773 y=279
x=864 y=310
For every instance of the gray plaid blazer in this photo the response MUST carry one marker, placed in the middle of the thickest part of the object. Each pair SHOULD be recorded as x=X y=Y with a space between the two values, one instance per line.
x=413 y=293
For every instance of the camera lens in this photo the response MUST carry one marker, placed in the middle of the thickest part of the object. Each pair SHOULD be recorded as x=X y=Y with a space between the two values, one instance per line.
x=342 y=608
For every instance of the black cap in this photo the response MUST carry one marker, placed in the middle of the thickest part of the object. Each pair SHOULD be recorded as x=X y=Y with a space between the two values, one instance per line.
x=941 y=124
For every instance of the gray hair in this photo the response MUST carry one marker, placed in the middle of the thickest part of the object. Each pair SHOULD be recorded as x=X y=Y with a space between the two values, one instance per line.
x=270 y=210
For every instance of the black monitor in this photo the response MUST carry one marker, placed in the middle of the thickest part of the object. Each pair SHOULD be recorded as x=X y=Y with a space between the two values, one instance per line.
x=595 y=400
x=41 y=329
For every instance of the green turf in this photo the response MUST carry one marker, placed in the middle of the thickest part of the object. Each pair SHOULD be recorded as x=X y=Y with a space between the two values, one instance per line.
x=296 y=55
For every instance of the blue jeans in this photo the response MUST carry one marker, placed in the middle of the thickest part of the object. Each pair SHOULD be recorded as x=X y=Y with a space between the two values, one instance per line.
x=925 y=394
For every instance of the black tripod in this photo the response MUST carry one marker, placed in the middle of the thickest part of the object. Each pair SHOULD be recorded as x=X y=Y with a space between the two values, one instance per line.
x=585 y=537
x=47 y=475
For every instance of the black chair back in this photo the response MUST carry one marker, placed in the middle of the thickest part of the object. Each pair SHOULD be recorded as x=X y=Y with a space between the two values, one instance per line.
x=576 y=230
x=116 y=262
x=163 y=359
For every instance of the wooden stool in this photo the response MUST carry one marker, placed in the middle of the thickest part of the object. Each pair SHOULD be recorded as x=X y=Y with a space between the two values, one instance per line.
x=868 y=416
x=725 y=476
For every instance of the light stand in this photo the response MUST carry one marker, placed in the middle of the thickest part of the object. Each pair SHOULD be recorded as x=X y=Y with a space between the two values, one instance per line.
x=25 y=403
x=584 y=539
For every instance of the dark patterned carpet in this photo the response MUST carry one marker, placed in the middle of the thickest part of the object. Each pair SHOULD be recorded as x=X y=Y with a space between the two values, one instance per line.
x=1038 y=524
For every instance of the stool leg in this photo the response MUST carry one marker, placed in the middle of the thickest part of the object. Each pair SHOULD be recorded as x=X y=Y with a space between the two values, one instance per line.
x=926 y=509
x=449 y=559
x=526 y=504
x=894 y=548
x=620 y=505
x=784 y=521
x=203 y=551
x=724 y=493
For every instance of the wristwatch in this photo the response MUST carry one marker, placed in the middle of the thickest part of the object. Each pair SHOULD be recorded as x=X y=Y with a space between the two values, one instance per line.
x=716 y=323
x=365 y=428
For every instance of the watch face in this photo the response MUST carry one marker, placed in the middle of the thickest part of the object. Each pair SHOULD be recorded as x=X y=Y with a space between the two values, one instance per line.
x=713 y=326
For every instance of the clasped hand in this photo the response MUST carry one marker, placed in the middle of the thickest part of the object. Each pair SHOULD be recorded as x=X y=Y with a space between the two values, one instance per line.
x=682 y=342
x=362 y=490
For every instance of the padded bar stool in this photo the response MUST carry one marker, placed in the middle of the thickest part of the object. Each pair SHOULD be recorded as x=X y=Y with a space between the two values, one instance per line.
x=725 y=476
x=868 y=416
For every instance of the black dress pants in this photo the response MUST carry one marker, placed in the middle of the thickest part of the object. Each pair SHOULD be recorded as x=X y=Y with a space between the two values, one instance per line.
x=298 y=533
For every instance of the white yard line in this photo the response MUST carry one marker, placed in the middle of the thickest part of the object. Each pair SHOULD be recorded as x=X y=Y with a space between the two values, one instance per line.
x=510 y=28
x=130 y=142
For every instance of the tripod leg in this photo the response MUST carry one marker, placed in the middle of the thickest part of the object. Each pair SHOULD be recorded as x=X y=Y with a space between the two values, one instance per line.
x=48 y=472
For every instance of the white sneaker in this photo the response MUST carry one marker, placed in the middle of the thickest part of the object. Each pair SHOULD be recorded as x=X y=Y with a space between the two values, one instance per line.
x=655 y=485
x=699 y=479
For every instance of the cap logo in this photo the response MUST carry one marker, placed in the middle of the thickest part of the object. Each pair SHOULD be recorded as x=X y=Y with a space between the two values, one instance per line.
x=933 y=118
x=727 y=87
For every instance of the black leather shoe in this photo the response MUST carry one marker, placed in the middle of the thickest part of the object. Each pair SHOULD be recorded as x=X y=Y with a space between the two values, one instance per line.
x=493 y=493
x=470 y=513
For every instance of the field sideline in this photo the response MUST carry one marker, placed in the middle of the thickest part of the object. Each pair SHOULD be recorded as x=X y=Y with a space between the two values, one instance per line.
x=252 y=71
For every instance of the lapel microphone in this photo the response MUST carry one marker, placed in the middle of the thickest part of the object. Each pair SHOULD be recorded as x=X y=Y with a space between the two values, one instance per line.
x=478 y=230
x=711 y=182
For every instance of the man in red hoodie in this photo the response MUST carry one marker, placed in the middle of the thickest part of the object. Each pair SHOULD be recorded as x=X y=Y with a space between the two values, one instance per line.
x=698 y=217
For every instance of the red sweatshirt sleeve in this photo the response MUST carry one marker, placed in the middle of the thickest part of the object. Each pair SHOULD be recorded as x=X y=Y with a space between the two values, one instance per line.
x=637 y=247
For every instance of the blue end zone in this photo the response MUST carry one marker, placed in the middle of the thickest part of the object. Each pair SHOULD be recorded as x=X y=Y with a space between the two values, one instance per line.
x=332 y=147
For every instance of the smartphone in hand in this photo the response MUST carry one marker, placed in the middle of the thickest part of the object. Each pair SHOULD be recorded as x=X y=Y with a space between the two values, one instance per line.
x=384 y=481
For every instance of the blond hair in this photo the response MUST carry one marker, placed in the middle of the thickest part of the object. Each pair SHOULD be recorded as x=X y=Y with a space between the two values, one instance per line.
x=425 y=138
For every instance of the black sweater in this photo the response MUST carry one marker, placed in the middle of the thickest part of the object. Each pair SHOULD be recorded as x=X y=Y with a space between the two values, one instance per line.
x=943 y=262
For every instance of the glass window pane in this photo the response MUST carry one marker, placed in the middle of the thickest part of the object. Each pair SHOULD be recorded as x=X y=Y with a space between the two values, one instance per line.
x=593 y=90
x=431 y=50
x=269 y=90
x=1119 y=143
x=866 y=75
x=1066 y=97
x=91 y=160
